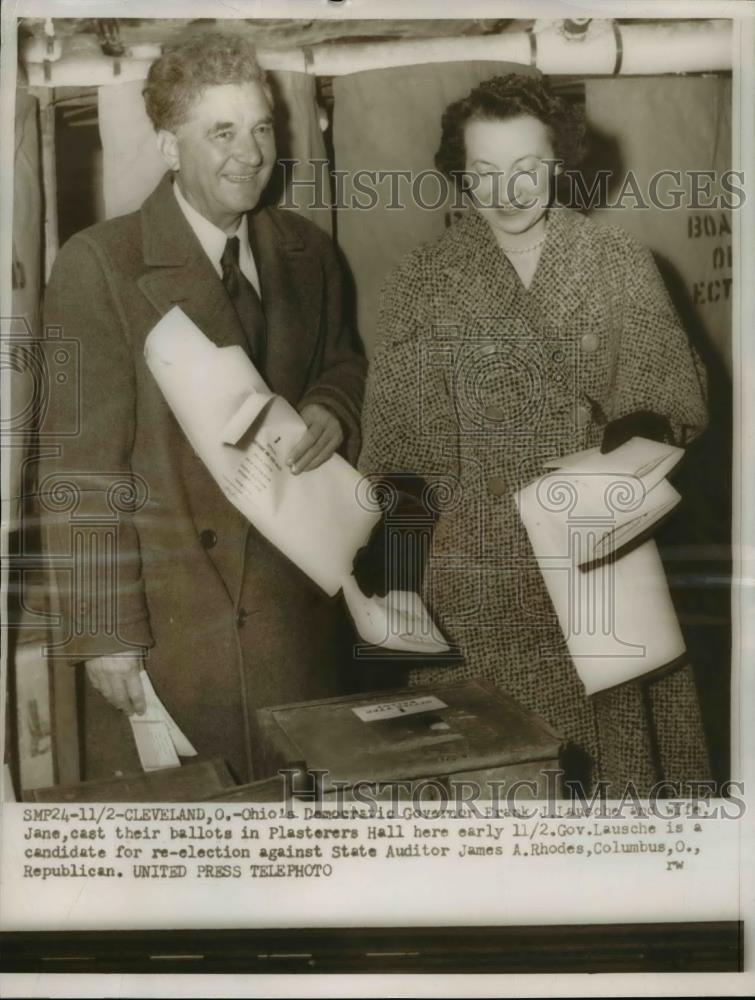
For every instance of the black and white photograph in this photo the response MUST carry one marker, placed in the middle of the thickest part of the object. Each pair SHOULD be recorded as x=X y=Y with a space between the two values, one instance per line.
x=377 y=498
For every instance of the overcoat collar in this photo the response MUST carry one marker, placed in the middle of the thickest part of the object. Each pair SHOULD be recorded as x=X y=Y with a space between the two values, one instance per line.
x=472 y=254
x=180 y=273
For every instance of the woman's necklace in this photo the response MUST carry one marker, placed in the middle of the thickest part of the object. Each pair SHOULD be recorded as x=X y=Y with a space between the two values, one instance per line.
x=525 y=260
x=528 y=249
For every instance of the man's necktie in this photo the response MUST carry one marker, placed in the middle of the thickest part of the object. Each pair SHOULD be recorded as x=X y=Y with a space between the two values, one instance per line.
x=246 y=302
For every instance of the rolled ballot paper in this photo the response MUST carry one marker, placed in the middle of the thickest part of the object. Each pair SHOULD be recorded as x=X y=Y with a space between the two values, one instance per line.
x=616 y=614
x=244 y=433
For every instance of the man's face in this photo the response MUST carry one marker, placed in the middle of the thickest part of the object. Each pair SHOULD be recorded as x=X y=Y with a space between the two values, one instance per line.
x=224 y=151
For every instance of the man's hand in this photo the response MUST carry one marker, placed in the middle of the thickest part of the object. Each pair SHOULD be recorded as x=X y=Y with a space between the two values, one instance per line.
x=323 y=435
x=118 y=679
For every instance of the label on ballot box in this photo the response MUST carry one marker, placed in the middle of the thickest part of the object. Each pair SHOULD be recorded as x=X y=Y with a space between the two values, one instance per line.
x=393 y=709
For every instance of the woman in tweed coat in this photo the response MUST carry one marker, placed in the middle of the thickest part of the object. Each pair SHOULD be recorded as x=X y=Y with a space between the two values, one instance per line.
x=515 y=337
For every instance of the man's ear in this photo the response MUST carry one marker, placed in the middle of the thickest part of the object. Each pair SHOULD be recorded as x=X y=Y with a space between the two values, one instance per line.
x=168 y=146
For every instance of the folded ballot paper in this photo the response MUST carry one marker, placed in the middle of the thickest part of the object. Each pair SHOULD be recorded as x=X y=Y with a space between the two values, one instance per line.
x=243 y=433
x=613 y=606
x=159 y=741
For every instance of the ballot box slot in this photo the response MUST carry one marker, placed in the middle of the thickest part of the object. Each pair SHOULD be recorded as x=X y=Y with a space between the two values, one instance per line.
x=421 y=743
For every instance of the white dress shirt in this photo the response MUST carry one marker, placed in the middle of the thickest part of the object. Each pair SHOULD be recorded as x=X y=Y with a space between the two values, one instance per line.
x=213 y=240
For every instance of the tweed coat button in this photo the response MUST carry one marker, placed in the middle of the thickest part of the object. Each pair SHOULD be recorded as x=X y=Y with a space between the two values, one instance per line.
x=496 y=486
x=494 y=413
x=208 y=538
x=589 y=343
x=582 y=415
x=241 y=617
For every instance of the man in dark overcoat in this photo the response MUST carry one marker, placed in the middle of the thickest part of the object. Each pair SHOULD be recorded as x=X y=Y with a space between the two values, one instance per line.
x=177 y=581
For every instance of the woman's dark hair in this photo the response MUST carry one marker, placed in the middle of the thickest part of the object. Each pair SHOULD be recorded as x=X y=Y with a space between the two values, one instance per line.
x=180 y=75
x=504 y=97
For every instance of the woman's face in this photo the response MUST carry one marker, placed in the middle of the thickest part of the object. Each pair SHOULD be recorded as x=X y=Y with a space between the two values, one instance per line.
x=509 y=166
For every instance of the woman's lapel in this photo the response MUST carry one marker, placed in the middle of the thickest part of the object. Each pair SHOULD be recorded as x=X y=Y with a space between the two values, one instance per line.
x=481 y=276
x=559 y=287
x=482 y=285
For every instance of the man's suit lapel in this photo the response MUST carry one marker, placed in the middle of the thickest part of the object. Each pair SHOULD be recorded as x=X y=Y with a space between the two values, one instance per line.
x=180 y=273
x=292 y=291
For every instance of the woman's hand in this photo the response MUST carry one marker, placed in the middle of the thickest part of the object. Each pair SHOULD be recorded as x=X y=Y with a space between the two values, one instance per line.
x=641 y=423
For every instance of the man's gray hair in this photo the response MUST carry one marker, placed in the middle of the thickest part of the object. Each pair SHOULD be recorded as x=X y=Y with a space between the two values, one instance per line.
x=179 y=76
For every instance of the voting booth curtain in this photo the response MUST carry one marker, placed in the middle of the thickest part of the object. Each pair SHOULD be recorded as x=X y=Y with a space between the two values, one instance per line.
x=28 y=683
x=654 y=124
x=26 y=284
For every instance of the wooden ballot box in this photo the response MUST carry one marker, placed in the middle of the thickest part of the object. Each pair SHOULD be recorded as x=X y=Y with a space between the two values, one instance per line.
x=440 y=735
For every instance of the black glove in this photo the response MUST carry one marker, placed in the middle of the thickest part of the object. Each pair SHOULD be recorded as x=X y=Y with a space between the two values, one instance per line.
x=394 y=556
x=641 y=423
